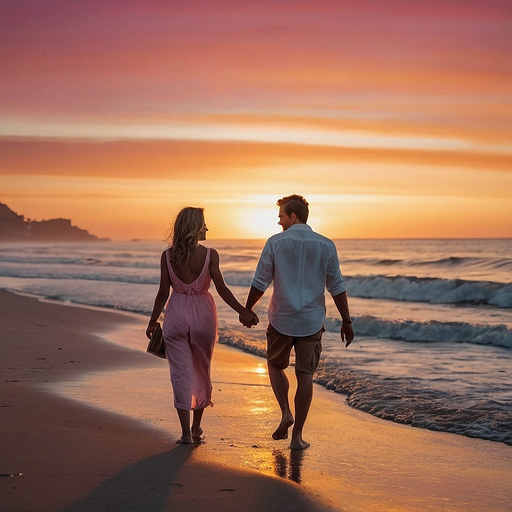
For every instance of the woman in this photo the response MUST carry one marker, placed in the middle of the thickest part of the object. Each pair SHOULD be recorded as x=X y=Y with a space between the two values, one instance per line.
x=190 y=321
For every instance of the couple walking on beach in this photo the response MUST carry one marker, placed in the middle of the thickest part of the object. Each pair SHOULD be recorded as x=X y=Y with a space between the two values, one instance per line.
x=300 y=263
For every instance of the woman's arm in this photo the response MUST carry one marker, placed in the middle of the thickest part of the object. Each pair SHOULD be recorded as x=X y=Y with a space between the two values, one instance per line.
x=161 y=296
x=248 y=317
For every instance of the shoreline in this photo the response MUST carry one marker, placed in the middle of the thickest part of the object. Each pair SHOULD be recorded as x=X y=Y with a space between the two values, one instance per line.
x=89 y=423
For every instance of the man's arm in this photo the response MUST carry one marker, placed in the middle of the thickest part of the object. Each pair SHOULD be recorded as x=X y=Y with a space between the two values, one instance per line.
x=262 y=277
x=253 y=297
x=347 y=333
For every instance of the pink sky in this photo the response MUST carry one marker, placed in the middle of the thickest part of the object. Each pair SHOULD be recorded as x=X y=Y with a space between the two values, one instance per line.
x=355 y=103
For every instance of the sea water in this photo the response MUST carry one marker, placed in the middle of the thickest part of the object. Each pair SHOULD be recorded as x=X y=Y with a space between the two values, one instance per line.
x=432 y=318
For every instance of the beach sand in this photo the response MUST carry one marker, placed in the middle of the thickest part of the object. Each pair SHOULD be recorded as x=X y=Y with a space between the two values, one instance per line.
x=88 y=425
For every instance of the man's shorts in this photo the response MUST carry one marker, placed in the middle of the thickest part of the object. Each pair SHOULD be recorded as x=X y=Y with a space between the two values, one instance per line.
x=307 y=350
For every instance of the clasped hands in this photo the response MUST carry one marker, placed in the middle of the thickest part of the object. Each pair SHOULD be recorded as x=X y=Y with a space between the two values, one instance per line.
x=249 y=318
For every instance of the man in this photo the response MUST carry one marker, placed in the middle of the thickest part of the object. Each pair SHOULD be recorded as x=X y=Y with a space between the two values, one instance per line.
x=302 y=264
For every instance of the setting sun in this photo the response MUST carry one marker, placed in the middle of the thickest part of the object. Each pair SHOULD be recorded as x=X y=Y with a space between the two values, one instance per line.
x=260 y=222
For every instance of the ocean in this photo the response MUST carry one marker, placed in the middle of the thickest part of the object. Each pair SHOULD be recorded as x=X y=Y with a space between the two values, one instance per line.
x=432 y=318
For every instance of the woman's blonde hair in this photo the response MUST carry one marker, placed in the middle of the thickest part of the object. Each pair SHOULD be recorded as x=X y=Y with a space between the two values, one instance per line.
x=183 y=237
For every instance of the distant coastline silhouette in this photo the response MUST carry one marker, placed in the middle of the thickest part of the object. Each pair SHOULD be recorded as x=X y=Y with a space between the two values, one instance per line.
x=15 y=228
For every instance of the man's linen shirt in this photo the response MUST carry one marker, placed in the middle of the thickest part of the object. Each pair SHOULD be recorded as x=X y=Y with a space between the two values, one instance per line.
x=302 y=264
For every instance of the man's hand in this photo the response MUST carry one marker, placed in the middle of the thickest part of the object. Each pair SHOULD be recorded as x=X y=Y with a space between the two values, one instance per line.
x=249 y=318
x=347 y=333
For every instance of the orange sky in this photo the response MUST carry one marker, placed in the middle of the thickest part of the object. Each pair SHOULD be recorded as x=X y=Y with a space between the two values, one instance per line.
x=393 y=118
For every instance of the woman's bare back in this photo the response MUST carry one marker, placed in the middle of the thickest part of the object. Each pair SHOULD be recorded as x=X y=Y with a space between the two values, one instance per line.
x=190 y=270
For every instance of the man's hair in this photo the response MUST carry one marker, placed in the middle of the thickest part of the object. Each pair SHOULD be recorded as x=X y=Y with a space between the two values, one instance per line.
x=295 y=204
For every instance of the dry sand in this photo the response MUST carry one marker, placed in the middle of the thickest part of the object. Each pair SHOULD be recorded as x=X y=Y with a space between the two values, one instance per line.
x=88 y=425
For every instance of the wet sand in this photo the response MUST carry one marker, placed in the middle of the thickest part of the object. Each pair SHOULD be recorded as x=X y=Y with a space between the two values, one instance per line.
x=88 y=425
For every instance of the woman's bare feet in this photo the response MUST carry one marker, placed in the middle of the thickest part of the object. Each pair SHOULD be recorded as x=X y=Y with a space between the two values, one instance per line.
x=197 y=435
x=282 y=430
x=185 y=440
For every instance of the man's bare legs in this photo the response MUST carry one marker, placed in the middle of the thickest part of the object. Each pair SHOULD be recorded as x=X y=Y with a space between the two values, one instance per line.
x=188 y=435
x=303 y=398
x=281 y=386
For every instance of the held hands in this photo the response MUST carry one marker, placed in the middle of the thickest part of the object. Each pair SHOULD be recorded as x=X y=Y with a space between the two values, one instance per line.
x=248 y=318
x=347 y=333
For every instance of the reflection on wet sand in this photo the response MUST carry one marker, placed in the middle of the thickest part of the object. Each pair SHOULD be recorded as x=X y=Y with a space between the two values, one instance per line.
x=289 y=464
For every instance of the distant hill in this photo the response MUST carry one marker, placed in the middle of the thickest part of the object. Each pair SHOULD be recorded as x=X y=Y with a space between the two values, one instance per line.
x=14 y=228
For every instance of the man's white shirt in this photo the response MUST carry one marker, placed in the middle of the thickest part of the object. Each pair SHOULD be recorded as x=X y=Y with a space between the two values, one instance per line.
x=301 y=264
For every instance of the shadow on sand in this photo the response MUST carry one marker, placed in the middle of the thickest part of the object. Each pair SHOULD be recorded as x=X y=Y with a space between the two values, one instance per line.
x=145 y=485
x=175 y=481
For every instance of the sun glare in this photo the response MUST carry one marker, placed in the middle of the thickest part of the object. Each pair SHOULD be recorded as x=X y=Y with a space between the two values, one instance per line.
x=260 y=370
x=260 y=222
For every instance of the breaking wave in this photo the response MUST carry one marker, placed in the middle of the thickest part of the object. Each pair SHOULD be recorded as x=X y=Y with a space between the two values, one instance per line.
x=431 y=290
x=431 y=331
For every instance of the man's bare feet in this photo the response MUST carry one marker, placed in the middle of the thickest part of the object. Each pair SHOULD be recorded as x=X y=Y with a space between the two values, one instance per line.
x=282 y=431
x=299 y=444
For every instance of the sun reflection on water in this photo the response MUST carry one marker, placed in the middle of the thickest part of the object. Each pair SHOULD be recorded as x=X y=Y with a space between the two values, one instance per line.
x=260 y=369
x=289 y=464
x=259 y=407
x=285 y=464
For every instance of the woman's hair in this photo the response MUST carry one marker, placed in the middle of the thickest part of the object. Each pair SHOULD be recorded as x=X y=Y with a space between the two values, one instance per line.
x=183 y=238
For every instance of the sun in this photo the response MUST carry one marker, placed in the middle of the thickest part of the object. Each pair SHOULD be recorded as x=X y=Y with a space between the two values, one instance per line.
x=260 y=222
